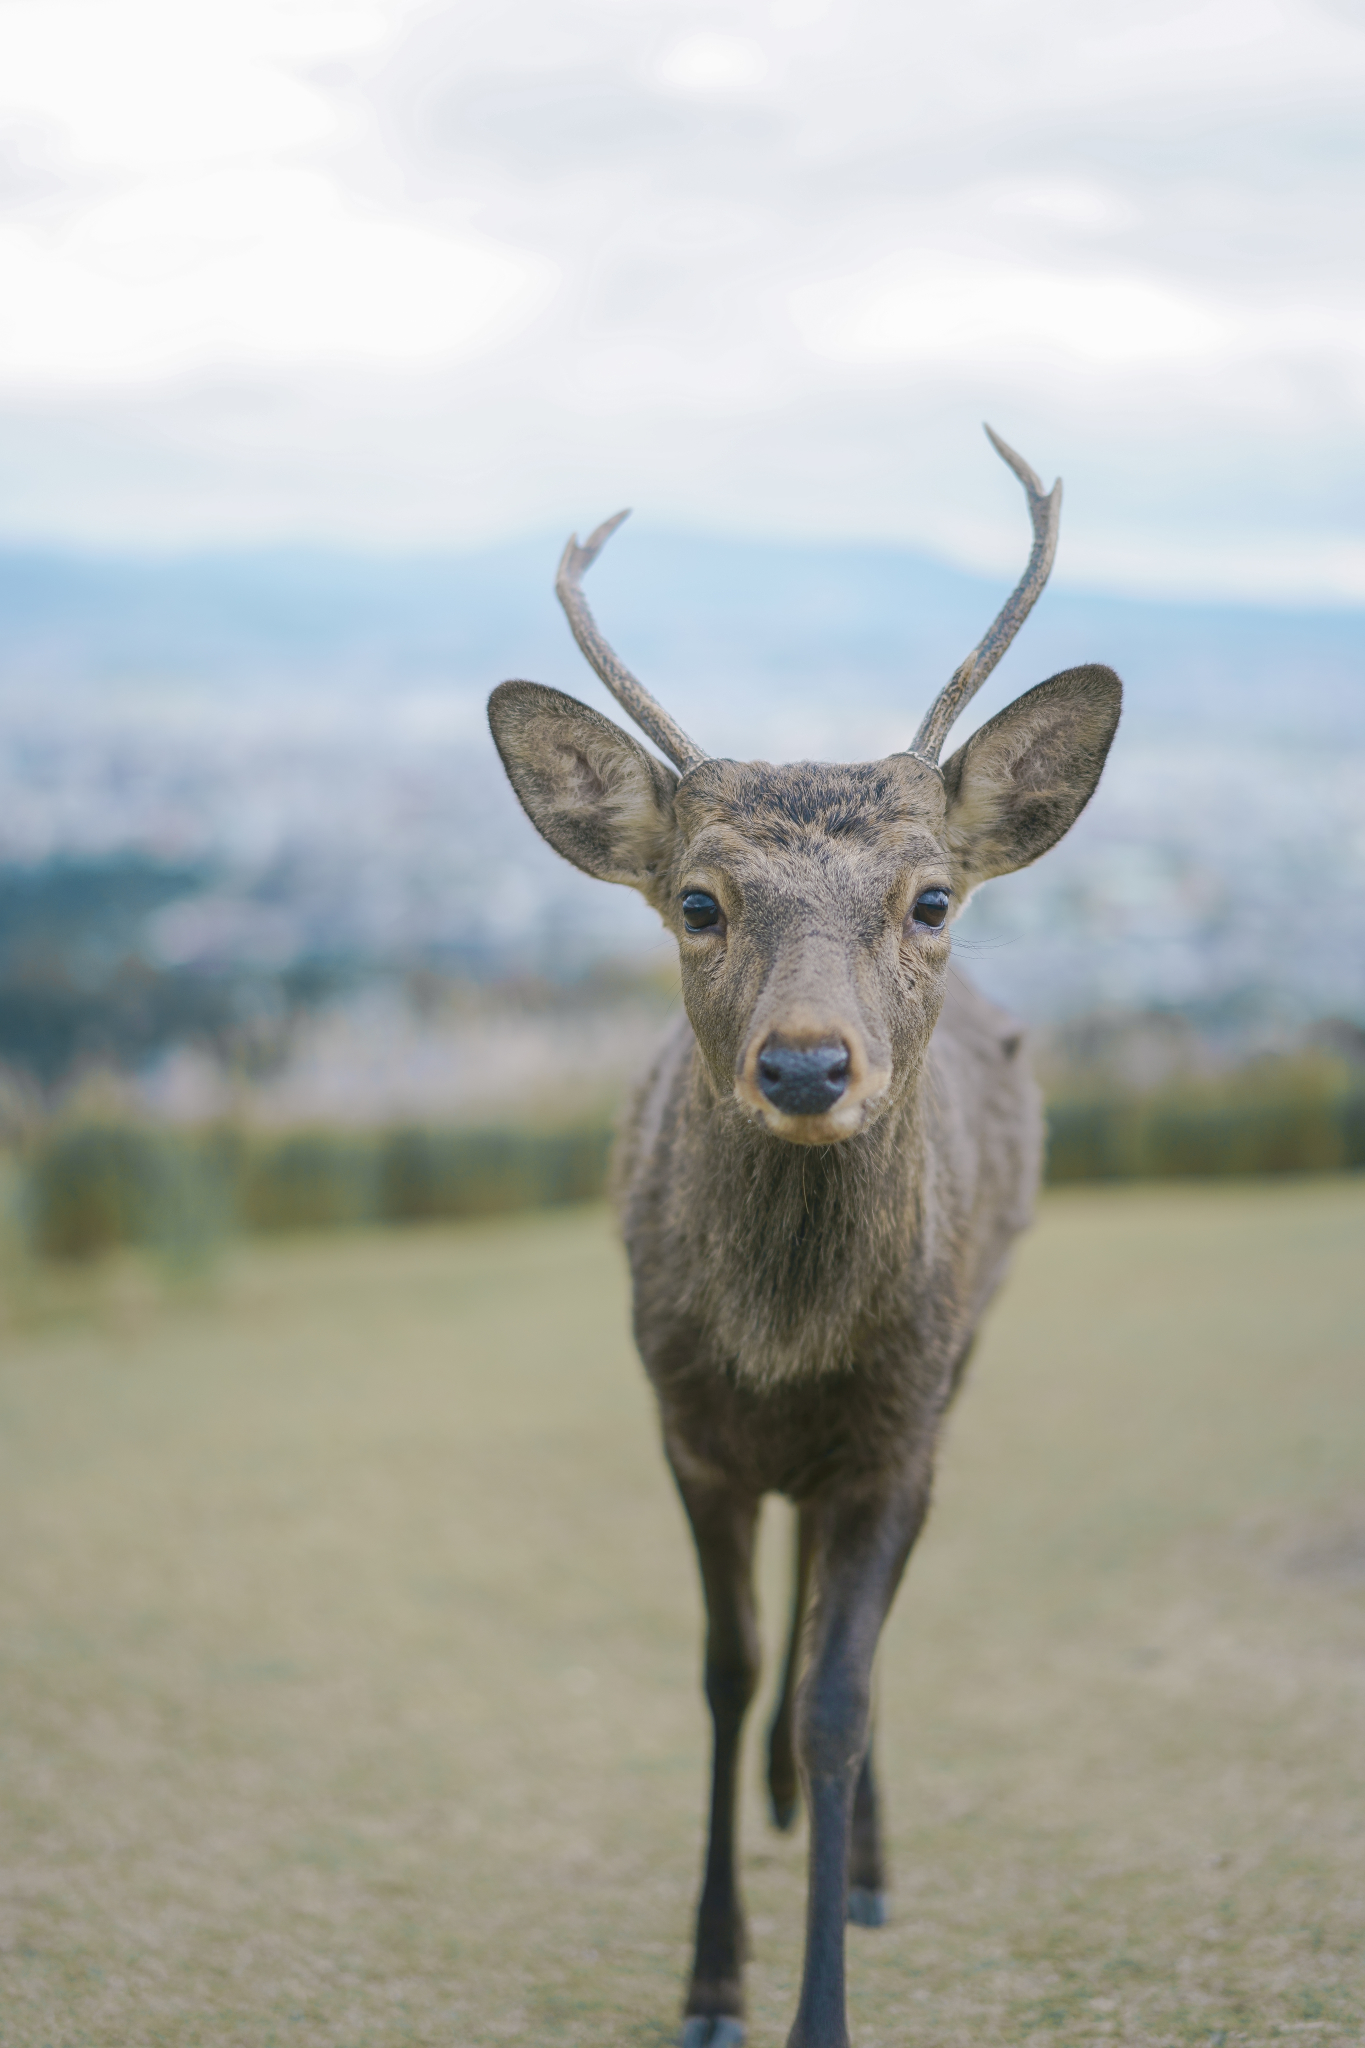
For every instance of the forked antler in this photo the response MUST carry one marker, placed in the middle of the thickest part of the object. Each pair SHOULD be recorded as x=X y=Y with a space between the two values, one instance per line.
x=629 y=693
x=1045 y=510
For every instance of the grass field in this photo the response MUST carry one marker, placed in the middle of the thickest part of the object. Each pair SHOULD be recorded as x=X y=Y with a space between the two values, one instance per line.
x=349 y=1689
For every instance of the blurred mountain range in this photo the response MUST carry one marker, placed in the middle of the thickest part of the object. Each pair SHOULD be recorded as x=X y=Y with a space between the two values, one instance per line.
x=256 y=766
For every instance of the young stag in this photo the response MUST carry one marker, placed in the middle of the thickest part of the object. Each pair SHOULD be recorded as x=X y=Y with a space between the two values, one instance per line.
x=820 y=1180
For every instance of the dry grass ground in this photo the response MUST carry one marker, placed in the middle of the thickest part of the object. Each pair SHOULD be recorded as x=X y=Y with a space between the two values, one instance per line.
x=349 y=1639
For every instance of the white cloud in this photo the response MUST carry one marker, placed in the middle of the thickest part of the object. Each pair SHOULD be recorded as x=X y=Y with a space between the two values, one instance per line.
x=258 y=268
x=713 y=64
x=158 y=84
x=197 y=233
x=406 y=271
x=1075 y=203
x=1288 y=566
x=928 y=307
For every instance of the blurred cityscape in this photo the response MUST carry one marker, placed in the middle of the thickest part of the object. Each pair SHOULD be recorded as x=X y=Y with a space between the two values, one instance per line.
x=257 y=856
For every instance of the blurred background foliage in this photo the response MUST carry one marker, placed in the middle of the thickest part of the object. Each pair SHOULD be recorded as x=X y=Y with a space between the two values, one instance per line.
x=171 y=1104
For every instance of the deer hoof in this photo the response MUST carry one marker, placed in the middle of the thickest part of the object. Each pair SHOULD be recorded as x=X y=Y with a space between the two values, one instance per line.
x=865 y=1908
x=783 y=1811
x=712 y=2030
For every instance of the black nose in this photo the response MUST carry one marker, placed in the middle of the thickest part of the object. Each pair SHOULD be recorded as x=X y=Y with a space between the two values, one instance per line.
x=803 y=1080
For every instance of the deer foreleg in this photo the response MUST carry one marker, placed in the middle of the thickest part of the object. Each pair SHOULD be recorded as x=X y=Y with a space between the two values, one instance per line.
x=723 y=1525
x=867 y=1869
x=782 y=1782
x=859 y=1554
x=866 y=1865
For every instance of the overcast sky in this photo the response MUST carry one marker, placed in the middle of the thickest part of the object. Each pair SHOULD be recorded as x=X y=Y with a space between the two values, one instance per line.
x=406 y=274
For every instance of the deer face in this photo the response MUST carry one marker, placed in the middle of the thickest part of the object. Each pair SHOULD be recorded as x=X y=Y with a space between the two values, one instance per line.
x=811 y=903
x=811 y=984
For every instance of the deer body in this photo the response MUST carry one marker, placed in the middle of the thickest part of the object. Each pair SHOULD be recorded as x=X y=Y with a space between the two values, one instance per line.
x=819 y=1186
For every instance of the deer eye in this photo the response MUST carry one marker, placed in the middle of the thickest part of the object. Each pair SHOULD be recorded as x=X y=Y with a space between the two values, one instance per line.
x=700 y=911
x=931 y=908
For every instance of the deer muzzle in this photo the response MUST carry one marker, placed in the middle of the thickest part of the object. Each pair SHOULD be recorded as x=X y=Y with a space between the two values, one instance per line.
x=812 y=1087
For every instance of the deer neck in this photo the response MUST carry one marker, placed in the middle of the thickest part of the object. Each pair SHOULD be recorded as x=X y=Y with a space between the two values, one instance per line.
x=795 y=1254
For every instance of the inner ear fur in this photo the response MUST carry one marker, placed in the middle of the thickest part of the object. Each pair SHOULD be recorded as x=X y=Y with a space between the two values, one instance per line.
x=590 y=789
x=1024 y=778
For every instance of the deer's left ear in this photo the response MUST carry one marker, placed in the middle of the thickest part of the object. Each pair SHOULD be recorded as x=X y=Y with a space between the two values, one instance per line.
x=1023 y=780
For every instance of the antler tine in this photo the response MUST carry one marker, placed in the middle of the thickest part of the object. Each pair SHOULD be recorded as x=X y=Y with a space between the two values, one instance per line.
x=630 y=694
x=1045 y=510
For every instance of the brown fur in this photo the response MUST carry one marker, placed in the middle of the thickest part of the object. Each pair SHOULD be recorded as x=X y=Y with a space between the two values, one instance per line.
x=807 y=1286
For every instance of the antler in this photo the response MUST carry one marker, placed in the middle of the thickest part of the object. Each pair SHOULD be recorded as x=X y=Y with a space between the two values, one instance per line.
x=631 y=695
x=1045 y=510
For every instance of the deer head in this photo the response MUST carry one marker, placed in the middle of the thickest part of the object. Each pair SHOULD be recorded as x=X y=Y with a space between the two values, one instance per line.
x=812 y=903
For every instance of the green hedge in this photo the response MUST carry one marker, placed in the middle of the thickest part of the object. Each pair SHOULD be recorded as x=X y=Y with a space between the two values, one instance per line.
x=94 y=1187
x=1288 y=1117
x=89 y=1187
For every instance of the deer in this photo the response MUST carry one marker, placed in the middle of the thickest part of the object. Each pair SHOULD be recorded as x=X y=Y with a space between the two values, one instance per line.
x=819 y=1183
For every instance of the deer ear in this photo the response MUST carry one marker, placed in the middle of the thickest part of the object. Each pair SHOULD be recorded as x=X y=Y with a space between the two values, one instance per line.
x=586 y=786
x=1024 y=778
